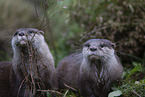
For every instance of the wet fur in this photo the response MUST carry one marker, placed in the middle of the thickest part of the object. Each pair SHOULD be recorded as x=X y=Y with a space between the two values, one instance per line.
x=32 y=63
x=5 y=89
x=93 y=78
x=32 y=68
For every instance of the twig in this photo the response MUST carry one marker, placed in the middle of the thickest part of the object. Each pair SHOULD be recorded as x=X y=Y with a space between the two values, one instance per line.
x=66 y=93
x=52 y=16
x=53 y=91
x=42 y=26
x=132 y=56
x=136 y=93
x=36 y=10
x=69 y=87
x=21 y=85
x=31 y=73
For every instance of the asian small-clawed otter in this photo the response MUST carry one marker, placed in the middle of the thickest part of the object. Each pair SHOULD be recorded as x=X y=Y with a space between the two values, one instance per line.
x=33 y=63
x=5 y=89
x=92 y=71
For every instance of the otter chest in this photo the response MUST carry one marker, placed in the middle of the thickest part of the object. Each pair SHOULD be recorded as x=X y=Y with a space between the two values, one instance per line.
x=101 y=79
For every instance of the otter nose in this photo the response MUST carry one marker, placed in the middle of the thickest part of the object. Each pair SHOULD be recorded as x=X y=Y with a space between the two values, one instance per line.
x=21 y=34
x=93 y=49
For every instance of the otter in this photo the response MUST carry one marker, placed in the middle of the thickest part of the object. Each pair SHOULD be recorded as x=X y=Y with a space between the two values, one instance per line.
x=32 y=65
x=93 y=71
x=5 y=68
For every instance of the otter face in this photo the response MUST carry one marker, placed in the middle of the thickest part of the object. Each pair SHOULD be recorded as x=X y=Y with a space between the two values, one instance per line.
x=24 y=35
x=95 y=49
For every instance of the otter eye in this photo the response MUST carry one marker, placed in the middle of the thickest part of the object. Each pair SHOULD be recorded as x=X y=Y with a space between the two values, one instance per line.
x=16 y=33
x=113 y=45
x=31 y=31
x=101 y=45
x=87 y=45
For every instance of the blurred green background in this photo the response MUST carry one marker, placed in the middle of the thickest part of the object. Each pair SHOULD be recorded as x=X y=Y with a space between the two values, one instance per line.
x=69 y=23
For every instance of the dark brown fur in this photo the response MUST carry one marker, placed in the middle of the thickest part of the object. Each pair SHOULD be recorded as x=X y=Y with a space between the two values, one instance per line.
x=32 y=67
x=5 y=89
x=93 y=75
x=33 y=64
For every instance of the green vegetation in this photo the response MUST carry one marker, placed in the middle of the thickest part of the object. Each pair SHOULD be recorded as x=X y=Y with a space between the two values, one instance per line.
x=132 y=85
x=119 y=21
x=69 y=23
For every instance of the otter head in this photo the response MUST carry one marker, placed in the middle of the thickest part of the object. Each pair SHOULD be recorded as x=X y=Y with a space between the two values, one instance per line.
x=24 y=36
x=98 y=49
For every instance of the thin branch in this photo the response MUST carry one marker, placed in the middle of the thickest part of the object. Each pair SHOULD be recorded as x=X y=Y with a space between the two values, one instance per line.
x=36 y=9
x=43 y=26
x=70 y=87
x=21 y=85
x=132 y=56
x=136 y=93
x=52 y=16
x=53 y=91
x=66 y=93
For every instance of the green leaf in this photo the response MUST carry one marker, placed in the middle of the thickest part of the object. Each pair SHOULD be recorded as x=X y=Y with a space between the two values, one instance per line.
x=115 y=93
x=48 y=94
x=65 y=3
x=135 y=69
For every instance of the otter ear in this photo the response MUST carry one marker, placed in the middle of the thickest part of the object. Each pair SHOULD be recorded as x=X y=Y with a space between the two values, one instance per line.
x=41 y=32
x=113 y=45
